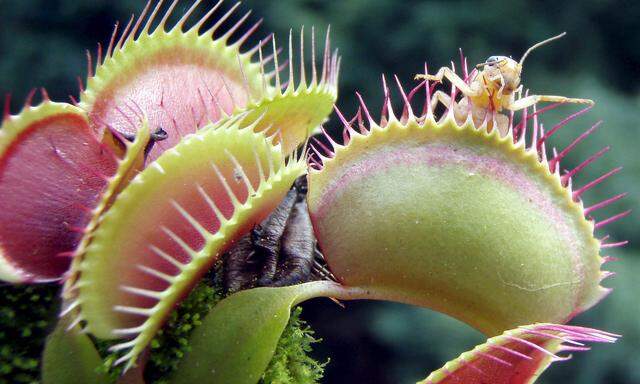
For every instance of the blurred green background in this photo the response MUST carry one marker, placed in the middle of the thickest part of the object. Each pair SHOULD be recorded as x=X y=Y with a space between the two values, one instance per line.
x=42 y=43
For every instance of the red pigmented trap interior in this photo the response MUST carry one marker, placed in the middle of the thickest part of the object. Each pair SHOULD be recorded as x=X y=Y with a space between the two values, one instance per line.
x=177 y=90
x=51 y=176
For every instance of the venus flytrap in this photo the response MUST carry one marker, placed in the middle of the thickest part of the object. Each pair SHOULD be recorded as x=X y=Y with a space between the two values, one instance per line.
x=183 y=141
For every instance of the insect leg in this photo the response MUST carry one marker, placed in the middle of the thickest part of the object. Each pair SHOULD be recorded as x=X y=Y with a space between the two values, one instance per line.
x=452 y=77
x=529 y=101
x=441 y=97
x=298 y=248
x=266 y=237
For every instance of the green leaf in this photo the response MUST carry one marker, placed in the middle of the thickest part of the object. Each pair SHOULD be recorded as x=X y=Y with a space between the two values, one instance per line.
x=70 y=358
x=237 y=340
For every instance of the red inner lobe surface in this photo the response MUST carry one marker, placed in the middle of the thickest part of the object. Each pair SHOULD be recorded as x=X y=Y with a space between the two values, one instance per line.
x=51 y=173
x=153 y=217
x=177 y=89
x=505 y=368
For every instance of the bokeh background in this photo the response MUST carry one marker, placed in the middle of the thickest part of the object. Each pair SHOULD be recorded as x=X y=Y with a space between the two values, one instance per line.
x=42 y=43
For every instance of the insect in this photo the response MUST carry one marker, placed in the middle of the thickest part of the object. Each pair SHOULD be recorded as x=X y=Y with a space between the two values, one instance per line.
x=280 y=251
x=494 y=87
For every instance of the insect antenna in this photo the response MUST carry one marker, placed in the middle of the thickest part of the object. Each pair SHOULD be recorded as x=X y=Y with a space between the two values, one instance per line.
x=540 y=44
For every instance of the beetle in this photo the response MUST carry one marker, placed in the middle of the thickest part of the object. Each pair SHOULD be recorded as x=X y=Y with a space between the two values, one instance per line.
x=496 y=86
x=282 y=250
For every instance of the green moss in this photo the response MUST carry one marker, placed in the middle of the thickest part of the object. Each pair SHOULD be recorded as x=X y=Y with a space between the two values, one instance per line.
x=172 y=342
x=291 y=363
x=27 y=313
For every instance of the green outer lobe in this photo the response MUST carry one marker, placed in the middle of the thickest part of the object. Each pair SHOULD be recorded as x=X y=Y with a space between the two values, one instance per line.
x=70 y=358
x=236 y=341
x=292 y=116
x=143 y=211
x=182 y=80
x=414 y=215
x=171 y=76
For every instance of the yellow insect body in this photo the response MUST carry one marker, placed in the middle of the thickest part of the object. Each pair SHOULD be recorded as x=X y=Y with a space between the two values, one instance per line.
x=495 y=87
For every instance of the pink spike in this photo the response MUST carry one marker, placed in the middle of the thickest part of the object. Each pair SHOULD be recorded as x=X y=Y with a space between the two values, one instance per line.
x=415 y=90
x=167 y=14
x=147 y=25
x=221 y=20
x=386 y=104
x=139 y=21
x=7 y=106
x=612 y=219
x=603 y=203
x=74 y=101
x=536 y=346
x=607 y=274
x=260 y=45
x=571 y=348
x=564 y=152
x=494 y=358
x=331 y=141
x=326 y=149
x=113 y=39
x=80 y=85
x=345 y=135
x=407 y=105
x=365 y=109
x=609 y=259
x=125 y=33
x=68 y=254
x=249 y=32
x=427 y=105
x=270 y=57
x=613 y=245
x=99 y=55
x=311 y=160
x=545 y=109
x=552 y=336
x=235 y=27
x=45 y=94
x=511 y=351
x=536 y=127
x=454 y=92
x=586 y=187
x=327 y=53
x=29 y=99
x=361 y=125
x=522 y=127
x=561 y=124
x=543 y=151
x=580 y=167
x=89 y=64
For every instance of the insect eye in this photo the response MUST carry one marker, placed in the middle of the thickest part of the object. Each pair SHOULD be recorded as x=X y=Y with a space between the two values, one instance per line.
x=493 y=59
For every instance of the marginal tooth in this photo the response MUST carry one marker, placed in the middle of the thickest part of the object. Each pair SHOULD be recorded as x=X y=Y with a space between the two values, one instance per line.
x=133 y=310
x=121 y=346
x=158 y=167
x=185 y=247
x=212 y=205
x=239 y=171
x=129 y=331
x=225 y=185
x=163 y=276
x=143 y=292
